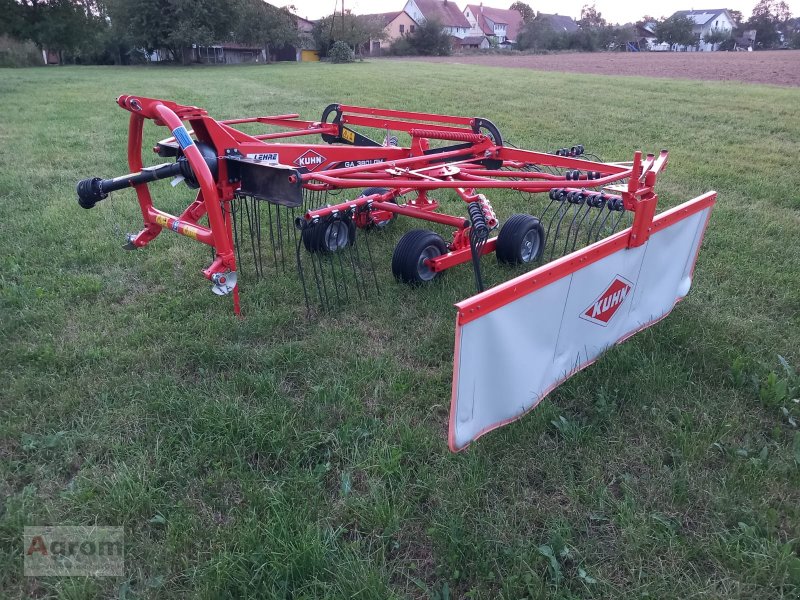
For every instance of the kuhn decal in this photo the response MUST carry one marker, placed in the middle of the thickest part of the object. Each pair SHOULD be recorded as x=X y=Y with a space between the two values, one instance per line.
x=603 y=309
x=309 y=160
x=267 y=157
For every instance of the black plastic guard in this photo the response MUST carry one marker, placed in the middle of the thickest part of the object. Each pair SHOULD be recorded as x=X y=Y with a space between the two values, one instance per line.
x=277 y=184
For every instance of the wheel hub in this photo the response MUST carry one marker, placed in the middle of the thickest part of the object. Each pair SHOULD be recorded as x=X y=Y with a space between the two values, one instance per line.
x=423 y=270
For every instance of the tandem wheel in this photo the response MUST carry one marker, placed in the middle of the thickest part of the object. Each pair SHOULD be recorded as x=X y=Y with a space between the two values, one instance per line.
x=411 y=252
x=329 y=235
x=521 y=240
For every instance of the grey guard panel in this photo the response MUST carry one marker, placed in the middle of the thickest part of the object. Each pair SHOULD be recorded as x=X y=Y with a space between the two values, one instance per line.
x=268 y=182
x=512 y=357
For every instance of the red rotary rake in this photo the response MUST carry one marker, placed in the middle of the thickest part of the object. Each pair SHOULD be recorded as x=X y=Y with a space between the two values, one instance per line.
x=606 y=265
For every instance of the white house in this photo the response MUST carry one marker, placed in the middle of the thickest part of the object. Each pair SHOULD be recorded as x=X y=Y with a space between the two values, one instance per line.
x=708 y=20
x=453 y=21
x=500 y=24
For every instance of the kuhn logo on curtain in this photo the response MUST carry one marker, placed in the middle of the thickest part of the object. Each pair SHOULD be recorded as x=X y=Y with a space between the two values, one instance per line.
x=602 y=310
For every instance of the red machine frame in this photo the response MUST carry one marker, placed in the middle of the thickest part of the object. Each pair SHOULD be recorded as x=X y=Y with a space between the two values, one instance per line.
x=478 y=160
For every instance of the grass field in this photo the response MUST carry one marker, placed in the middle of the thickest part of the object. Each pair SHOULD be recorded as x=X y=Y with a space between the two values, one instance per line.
x=278 y=457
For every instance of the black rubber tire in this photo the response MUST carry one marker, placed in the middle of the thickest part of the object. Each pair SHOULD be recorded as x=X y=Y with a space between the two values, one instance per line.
x=379 y=190
x=511 y=243
x=317 y=237
x=415 y=246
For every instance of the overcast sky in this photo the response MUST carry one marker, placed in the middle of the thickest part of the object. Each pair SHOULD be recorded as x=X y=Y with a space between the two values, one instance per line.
x=614 y=11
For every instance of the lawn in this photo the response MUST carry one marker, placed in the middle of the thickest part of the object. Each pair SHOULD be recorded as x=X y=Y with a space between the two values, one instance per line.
x=276 y=456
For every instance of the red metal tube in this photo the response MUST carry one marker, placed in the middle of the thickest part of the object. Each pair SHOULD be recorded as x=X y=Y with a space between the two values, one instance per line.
x=208 y=189
x=406 y=210
x=542 y=158
x=458 y=257
x=488 y=174
x=400 y=162
x=527 y=186
x=402 y=114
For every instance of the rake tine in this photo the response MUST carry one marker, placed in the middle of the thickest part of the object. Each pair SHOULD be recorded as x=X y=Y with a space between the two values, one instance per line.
x=356 y=279
x=329 y=260
x=476 y=245
x=550 y=224
x=558 y=229
x=574 y=228
x=298 y=238
x=591 y=227
x=578 y=229
x=603 y=224
x=301 y=274
x=250 y=223
x=279 y=228
x=272 y=235
x=357 y=257
x=344 y=276
x=334 y=282
x=326 y=302
x=546 y=210
x=257 y=211
x=288 y=223
x=617 y=221
x=372 y=263
x=613 y=221
x=234 y=210
x=599 y=214
x=317 y=279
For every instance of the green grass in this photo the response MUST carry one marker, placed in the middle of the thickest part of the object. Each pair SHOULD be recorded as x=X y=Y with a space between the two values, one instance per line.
x=279 y=457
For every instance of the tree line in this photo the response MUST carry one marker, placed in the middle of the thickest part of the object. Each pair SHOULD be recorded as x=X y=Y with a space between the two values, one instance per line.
x=129 y=31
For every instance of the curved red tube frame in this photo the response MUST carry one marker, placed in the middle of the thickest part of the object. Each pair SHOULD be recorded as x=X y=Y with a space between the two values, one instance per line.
x=208 y=201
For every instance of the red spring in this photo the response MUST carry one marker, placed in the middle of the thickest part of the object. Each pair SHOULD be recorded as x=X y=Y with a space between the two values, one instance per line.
x=456 y=136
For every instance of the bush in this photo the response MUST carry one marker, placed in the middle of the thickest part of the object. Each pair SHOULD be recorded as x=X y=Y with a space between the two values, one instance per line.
x=727 y=45
x=340 y=52
x=14 y=53
x=430 y=39
x=402 y=47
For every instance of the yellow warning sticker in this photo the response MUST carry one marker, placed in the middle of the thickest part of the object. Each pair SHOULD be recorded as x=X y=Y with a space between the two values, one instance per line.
x=349 y=135
x=189 y=231
x=162 y=220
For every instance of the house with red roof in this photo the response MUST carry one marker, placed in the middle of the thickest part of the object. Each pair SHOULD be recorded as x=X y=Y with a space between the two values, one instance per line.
x=394 y=24
x=445 y=12
x=495 y=23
